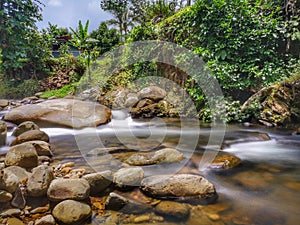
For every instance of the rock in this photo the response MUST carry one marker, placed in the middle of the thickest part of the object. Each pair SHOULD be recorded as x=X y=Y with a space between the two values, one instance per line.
x=39 y=181
x=185 y=187
x=71 y=212
x=129 y=176
x=118 y=99
x=222 y=161
x=23 y=155
x=119 y=203
x=3 y=133
x=10 y=178
x=160 y=109
x=167 y=155
x=279 y=104
x=31 y=135
x=11 y=213
x=25 y=126
x=42 y=148
x=4 y=103
x=45 y=220
x=89 y=94
x=62 y=189
x=153 y=92
x=5 y=196
x=225 y=161
x=14 y=221
x=174 y=209
x=66 y=112
x=131 y=100
x=99 y=181
x=19 y=200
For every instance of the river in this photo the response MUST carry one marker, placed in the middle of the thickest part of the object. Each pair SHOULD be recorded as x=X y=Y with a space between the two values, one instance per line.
x=263 y=189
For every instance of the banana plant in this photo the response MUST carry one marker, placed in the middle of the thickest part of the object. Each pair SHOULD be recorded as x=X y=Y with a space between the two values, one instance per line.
x=82 y=41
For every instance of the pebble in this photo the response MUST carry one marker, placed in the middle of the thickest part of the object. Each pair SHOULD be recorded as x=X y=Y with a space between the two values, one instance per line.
x=71 y=212
x=11 y=213
x=14 y=221
x=5 y=196
x=46 y=220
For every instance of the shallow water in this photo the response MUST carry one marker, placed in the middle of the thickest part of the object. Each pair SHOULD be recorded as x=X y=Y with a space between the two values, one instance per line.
x=263 y=189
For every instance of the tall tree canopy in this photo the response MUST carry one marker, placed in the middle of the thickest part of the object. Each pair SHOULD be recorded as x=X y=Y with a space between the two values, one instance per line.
x=17 y=22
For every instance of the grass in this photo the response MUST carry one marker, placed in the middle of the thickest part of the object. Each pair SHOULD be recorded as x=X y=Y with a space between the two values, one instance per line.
x=60 y=93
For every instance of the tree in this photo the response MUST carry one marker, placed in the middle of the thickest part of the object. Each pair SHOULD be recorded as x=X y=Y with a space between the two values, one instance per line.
x=107 y=38
x=17 y=22
x=83 y=42
x=121 y=12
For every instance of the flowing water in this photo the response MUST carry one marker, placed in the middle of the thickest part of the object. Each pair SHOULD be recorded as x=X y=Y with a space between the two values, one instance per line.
x=263 y=189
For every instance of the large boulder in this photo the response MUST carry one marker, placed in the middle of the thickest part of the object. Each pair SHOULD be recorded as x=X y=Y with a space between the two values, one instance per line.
x=63 y=112
x=185 y=187
x=152 y=92
x=276 y=105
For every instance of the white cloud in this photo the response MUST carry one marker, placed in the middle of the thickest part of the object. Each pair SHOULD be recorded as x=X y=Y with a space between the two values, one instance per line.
x=55 y=3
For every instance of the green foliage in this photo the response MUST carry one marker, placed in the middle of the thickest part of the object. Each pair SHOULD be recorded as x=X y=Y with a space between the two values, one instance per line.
x=17 y=24
x=106 y=38
x=60 y=93
x=121 y=13
x=239 y=40
x=19 y=90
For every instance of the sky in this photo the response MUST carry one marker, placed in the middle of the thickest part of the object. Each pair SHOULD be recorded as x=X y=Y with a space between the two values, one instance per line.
x=67 y=13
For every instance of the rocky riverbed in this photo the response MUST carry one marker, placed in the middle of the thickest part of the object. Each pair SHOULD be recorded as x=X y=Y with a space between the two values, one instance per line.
x=46 y=179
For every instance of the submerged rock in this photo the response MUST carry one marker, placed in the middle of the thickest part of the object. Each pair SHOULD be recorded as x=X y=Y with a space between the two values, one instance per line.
x=167 y=155
x=185 y=187
x=62 y=112
x=174 y=209
x=62 y=189
x=24 y=127
x=23 y=155
x=72 y=212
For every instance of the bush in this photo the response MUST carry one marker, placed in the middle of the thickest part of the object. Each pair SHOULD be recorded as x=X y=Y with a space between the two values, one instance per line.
x=15 y=90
